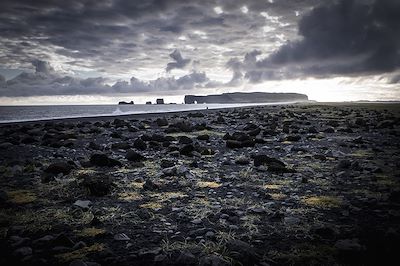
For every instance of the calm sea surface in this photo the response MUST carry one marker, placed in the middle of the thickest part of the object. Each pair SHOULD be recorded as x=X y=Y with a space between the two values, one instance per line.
x=48 y=112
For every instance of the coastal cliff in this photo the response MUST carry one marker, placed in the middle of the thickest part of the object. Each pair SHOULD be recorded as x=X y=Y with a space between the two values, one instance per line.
x=241 y=97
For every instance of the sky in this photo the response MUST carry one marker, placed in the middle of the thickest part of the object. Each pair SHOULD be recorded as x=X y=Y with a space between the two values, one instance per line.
x=104 y=51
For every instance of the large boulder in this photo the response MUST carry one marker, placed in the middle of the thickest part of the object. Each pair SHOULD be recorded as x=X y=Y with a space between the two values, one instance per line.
x=274 y=165
x=140 y=144
x=134 y=156
x=102 y=160
x=58 y=168
x=97 y=185
x=55 y=169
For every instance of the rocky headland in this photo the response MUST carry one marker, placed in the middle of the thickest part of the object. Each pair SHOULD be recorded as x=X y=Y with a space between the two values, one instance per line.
x=311 y=184
x=246 y=97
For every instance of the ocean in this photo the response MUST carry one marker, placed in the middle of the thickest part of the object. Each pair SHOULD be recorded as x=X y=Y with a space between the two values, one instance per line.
x=48 y=112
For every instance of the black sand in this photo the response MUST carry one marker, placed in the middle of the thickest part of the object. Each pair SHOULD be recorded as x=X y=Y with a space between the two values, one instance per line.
x=314 y=184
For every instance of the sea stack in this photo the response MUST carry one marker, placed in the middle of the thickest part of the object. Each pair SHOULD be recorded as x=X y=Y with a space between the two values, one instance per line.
x=148 y=102
x=160 y=101
x=122 y=102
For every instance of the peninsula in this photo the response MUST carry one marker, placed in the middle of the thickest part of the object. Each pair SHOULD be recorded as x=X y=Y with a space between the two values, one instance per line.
x=251 y=97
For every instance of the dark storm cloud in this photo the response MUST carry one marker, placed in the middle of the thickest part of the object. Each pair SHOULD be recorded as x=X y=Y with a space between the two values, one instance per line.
x=102 y=32
x=344 y=38
x=179 y=63
x=42 y=66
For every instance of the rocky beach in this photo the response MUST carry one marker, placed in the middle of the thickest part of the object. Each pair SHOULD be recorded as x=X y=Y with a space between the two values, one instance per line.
x=301 y=184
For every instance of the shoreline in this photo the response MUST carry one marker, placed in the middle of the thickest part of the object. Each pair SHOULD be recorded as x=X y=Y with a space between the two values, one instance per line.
x=107 y=117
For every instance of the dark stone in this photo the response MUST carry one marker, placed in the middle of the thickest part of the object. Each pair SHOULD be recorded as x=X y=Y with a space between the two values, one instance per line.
x=120 y=146
x=195 y=115
x=274 y=165
x=254 y=132
x=28 y=140
x=140 y=144
x=63 y=240
x=213 y=260
x=242 y=252
x=158 y=138
x=312 y=130
x=3 y=197
x=150 y=185
x=329 y=130
x=120 y=123
x=344 y=164
x=262 y=159
x=320 y=157
x=233 y=144
x=395 y=196
x=182 y=126
x=293 y=138
x=167 y=164
x=146 y=137
x=187 y=150
x=185 y=140
x=203 y=137
x=58 y=168
x=162 y=122
x=98 y=185
x=102 y=160
x=186 y=258
x=116 y=135
x=325 y=232
x=94 y=146
x=133 y=156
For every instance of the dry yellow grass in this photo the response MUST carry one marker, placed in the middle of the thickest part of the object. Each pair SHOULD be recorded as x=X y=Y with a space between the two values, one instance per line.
x=91 y=232
x=129 y=196
x=273 y=186
x=21 y=196
x=208 y=184
x=80 y=253
x=322 y=201
x=151 y=205
x=136 y=185
x=277 y=196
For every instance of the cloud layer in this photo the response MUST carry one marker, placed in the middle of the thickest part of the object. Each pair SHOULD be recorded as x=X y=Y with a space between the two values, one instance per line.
x=253 y=41
x=45 y=81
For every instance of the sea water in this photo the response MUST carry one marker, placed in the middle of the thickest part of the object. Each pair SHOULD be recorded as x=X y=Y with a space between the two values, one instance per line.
x=48 y=112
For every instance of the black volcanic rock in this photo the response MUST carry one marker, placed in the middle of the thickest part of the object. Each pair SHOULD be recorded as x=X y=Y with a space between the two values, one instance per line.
x=273 y=164
x=240 y=97
x=97 y=185
x=140 y=144
x=59 y=167
x=134 y=156
x=99 y=159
